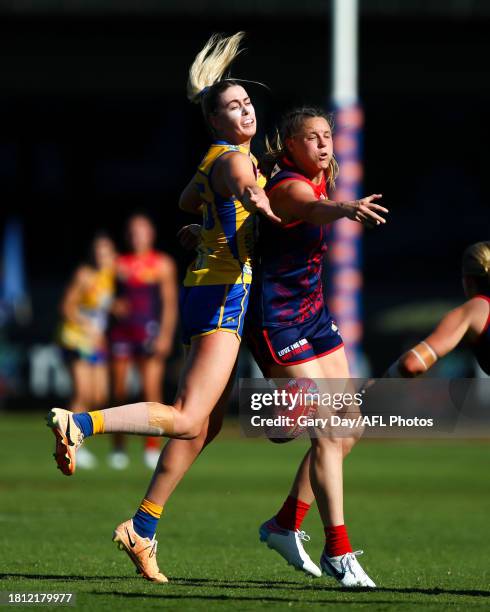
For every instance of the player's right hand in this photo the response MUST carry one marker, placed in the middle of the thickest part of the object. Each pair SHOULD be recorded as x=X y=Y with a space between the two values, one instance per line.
x=260 y=203
x=366 y=211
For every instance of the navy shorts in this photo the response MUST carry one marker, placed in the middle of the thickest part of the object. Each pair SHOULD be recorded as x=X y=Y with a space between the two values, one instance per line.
x=286 y=345
x=206 y=309
x=131 y=341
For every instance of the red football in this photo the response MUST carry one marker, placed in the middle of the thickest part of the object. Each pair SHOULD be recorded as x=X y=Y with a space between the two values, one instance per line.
x=299 y=395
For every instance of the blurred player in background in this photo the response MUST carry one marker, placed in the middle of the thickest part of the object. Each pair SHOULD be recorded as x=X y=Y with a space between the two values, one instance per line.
x=225 y=190
x=145 y=312
x=469 y=322
x=292 y=334
x=85 y=309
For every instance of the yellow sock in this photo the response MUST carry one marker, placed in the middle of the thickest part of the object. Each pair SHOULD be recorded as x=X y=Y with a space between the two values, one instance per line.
x=98 y=421
x=151 y=508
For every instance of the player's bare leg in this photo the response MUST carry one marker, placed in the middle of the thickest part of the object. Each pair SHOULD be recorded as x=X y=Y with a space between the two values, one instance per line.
x=206 y=374
x=175 y=460
x=178 y=455
x=320 y=475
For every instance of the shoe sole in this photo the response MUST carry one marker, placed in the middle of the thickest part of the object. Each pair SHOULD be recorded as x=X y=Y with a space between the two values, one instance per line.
x=119 y=541
x=65 y=459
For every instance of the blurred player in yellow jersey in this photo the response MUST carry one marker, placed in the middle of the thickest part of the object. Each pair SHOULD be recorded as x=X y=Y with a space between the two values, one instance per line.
x=85 y=308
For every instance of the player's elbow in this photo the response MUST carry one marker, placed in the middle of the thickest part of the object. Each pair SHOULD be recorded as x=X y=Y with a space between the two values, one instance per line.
x=184 y=204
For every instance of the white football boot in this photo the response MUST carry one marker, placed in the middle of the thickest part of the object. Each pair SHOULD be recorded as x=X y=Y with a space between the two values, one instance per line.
x=118 y=460
x=347 y=570
x=289 y=544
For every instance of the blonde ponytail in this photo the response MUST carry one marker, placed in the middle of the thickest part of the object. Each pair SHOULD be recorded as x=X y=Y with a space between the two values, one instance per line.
x=211 y=64
x=476 y=260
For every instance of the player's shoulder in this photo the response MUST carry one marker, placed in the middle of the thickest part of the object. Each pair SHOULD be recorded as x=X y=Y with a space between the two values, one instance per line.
x=292 y=185
x=233 y=157
x=84 y=274
x=165 y=261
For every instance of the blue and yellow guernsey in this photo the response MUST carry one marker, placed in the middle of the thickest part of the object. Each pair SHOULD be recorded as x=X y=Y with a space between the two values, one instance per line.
x=225 y=252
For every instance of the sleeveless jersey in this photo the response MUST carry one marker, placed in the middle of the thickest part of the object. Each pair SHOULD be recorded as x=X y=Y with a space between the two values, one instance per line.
x=94 y=304
x=227 y=238
x=287 y=287
x=481 y=348
x=138 y=282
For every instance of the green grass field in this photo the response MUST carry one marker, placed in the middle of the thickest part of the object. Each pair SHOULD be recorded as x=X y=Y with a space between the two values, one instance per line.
x=419 y=510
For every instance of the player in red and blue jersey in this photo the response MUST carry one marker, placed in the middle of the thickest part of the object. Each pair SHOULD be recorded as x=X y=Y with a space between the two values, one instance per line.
x=290 y=330
x=287 y=299
x=469 y=322
x=145 y=312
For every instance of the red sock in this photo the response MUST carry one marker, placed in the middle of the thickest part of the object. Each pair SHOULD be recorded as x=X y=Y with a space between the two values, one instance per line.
x=152 y=443
x=292 y=513
x=336 y=541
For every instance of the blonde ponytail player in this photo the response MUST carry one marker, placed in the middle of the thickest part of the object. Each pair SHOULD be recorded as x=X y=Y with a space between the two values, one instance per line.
x=470 y=321
x=213 y=302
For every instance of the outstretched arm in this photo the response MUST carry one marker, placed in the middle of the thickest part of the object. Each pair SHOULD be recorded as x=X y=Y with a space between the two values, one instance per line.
x=467 y=319
x=293 y=200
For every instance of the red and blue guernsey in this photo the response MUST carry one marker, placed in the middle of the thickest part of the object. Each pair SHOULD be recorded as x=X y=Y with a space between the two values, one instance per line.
x=139 y=288
x=289 y=320
x=481 y=348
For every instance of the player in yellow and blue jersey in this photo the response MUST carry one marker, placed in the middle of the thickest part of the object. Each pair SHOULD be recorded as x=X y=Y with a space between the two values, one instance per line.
x=85 y=311
x=226 y=189
x=221 y=273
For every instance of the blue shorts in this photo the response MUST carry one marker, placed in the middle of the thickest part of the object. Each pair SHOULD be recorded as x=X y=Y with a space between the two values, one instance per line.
x=286 y=345
x=98 y=357
x=206 y=309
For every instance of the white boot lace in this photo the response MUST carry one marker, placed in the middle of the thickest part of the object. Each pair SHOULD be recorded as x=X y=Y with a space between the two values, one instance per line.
x=302 y=535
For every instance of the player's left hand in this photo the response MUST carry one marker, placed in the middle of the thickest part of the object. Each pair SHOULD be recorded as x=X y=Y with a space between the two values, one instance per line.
x=162 y=346
x=189 y=236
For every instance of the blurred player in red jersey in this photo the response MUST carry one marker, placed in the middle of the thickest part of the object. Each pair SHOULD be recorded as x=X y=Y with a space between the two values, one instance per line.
x=145 y=311
x=291 y=332
x=469 y=322
x=85 y=309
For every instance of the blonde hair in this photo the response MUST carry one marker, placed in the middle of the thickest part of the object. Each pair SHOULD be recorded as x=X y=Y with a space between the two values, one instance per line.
x=290 y=125
x=476 y=260
x=211 y=64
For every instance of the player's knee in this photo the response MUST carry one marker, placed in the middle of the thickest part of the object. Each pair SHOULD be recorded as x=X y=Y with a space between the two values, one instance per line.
x=349 y=443
x=188 y=428
x=330 y=443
